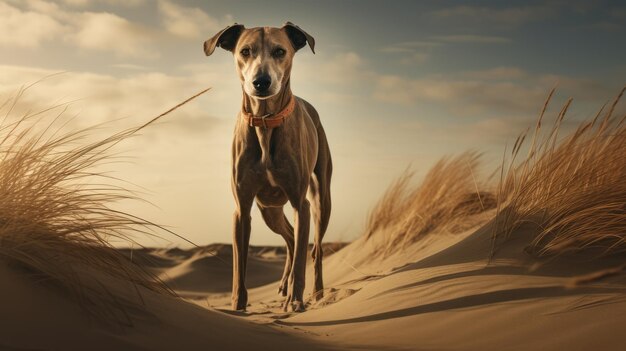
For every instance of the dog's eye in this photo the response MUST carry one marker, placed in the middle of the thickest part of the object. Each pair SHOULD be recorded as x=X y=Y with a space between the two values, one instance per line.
x=245 y=52
x=279 y=52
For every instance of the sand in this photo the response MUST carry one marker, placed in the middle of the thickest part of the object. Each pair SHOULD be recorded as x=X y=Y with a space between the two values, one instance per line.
x=444 y=292
x=37 y=316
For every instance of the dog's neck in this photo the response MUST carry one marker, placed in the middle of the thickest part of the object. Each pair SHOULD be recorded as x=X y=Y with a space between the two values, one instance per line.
x=262 y=107
x=270 y=105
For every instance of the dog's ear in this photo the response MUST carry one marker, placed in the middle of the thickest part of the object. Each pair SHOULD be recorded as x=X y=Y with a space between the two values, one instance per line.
x=298 y=37
x=226 y=39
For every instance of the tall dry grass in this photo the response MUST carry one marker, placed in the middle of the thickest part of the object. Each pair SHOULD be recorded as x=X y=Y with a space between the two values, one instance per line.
x=447 y=200
x=573 y=189
x=56 y=218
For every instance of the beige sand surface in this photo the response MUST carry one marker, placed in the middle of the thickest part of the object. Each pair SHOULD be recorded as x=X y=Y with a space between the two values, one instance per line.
x=442 y=293
x=36 y=315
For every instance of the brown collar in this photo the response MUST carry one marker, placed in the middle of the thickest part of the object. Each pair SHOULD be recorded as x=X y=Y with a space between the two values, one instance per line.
x=270 y=120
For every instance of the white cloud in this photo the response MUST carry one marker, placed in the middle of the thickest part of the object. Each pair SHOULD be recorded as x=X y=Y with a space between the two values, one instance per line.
x=26 y=28
x=101 y=97
x=130 y=66
x=31 y=23
x=41 y=6
x=84 y=3
x=125 y=2
x=103 y=31
x=76 y=2
x=187 y=22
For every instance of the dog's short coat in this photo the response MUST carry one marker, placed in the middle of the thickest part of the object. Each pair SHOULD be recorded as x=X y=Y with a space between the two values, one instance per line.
x=276 y=165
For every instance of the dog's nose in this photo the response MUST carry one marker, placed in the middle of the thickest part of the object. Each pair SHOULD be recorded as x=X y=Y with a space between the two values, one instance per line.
x=262 y=83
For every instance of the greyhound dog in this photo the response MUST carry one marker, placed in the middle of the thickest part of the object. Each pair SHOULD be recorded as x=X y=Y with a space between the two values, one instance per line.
x=279 y=154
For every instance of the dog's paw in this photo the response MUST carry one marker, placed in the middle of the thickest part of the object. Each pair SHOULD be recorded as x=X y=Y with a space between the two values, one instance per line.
x=239 y=303
x=282 y=288
x=239 y=306
x=292 y=305
x=297 y=306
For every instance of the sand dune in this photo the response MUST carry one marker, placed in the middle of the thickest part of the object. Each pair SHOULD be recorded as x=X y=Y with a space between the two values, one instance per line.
x=457 y=299
x=195 y=272
x=40 y=316
x=441 y=293
x=208 y=269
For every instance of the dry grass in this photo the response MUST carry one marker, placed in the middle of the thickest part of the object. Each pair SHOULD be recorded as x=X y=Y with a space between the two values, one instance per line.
x=573 y=190
x=55 y=214
x=445 y=201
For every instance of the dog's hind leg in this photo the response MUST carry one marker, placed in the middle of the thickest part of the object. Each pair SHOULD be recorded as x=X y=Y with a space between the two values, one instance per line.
x=320 y=209
x=275 y=219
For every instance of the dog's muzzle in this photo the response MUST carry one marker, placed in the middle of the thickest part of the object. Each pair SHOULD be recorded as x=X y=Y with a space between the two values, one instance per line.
x=262 y=84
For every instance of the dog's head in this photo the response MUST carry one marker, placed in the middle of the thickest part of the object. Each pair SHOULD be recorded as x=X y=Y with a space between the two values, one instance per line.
x=263 y=55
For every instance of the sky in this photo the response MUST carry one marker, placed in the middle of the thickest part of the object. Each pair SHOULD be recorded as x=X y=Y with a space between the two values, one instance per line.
x=397 y=84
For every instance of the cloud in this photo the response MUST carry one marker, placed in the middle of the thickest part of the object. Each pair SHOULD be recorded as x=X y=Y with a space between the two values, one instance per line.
x=468 y=38
x=486 y=93
x=504 y=90
x=187 y=22
x=26 y=28
x=342 y=68
x=84 y=3
x=130 y=66
x=420 y=51
x=36 y=22
x=411 y=52
x=135 y=97
x=409 y=46
x=497 y=73
x=76 y=2
x=31 y=23
x=415 y=58
x=101 y=31
x=507 y=17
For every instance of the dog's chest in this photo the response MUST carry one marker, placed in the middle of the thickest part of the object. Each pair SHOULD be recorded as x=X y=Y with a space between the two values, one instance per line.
x=266 y=163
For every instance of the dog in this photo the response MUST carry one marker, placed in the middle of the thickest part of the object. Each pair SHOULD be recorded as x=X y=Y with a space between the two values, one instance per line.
x=280 y=154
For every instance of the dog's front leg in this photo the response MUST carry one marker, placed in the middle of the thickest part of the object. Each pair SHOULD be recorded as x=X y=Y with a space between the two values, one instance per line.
x=241 y=239
x=298 y=270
